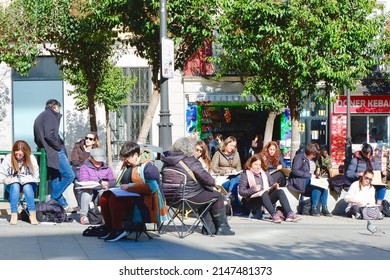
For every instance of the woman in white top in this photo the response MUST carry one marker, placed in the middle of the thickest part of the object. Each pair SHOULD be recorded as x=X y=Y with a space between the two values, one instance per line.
x=360 y=194
x=20 y=170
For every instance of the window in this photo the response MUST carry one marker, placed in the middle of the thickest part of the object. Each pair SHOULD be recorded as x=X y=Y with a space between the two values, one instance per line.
x=370 y=129
x=127 y=125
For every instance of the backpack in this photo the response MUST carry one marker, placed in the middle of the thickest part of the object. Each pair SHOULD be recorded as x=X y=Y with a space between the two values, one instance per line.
x=386 y=208
x=339 y=182
x=51 y=211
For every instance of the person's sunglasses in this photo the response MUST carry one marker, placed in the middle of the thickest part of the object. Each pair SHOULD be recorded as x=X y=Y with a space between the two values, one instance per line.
x=89 y=138
x=368 y=178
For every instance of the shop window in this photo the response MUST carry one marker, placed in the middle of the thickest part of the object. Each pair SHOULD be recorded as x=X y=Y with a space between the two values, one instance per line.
x=371 y=129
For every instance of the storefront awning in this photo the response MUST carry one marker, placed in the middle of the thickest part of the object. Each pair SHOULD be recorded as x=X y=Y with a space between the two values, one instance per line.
x=219 y=97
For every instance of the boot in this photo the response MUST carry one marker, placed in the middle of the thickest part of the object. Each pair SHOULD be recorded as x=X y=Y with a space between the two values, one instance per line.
x=33 y=218
x=326 y=212
x=314 y=211
x=14 y=219
x=220 y=222
x=209 y=223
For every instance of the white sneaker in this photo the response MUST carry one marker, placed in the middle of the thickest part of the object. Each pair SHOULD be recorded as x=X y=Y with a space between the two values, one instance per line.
x=69 y=209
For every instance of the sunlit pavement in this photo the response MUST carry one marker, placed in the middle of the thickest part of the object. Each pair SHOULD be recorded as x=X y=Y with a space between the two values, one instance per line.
x=312 y=238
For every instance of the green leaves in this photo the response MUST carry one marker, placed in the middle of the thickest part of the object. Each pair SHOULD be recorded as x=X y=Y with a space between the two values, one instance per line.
x=284 y=49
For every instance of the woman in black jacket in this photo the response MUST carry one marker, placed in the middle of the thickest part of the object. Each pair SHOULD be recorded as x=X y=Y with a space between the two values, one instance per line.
x=199 y=190
x=303 y=169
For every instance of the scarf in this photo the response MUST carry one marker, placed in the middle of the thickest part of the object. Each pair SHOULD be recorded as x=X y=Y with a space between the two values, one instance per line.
x=162 y=213
x=252 y=181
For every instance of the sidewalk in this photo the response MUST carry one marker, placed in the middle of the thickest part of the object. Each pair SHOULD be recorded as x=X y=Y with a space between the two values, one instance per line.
x=312 y=238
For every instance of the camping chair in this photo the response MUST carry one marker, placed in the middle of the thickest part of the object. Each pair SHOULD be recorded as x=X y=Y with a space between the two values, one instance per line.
x=178 y=206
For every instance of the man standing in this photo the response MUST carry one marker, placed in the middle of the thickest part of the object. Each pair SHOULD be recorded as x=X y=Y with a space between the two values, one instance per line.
x=46 y=136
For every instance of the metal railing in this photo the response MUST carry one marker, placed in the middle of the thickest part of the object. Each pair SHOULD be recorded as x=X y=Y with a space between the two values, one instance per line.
x=42 y=188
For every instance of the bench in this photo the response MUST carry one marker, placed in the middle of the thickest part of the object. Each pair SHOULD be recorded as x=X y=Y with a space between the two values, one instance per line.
x=336 y=204
x=42 y=187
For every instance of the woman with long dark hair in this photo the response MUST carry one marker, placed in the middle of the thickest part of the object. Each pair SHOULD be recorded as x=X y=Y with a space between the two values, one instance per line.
x=20 y=170
x=275 y=162
x=258 y=187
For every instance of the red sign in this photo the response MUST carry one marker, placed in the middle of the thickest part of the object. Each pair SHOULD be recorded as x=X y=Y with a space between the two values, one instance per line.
x=338 y=136
x=363 y=104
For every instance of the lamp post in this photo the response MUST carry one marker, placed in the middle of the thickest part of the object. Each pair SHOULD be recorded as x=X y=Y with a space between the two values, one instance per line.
x=348 y=143
x=165 y=131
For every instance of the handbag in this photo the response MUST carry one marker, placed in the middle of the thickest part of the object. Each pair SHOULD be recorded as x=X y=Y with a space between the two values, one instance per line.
x=371 y=213
x=94 y=216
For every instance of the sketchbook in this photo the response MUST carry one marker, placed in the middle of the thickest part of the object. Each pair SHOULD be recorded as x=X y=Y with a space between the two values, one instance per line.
x=320 y=182
x=120 y=192
x=87 y=185
x=377 y=180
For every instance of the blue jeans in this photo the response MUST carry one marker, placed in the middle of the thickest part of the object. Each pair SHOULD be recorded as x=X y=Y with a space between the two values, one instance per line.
x=61 y=179
x=317 y=193
x=380 y=192
x=14 y=195
x=232 y=187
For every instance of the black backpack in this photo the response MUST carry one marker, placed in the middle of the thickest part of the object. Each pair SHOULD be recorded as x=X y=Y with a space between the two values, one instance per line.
x=386 y=208
x=51 y=211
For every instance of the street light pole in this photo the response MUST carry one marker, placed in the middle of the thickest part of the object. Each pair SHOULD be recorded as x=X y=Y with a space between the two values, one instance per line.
x=348 y=143
x=165 y=131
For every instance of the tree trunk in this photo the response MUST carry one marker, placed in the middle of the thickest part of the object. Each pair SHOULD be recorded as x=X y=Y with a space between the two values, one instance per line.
x=108 y=137
x=148 y=118
x=269 y=127
x=91 y=107
x=295 y=136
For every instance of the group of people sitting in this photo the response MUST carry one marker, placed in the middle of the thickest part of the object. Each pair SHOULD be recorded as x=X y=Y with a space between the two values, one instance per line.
x=253 y=183
x=359 y=174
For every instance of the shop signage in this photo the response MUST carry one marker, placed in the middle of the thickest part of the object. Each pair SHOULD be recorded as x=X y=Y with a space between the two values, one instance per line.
x=363 y=104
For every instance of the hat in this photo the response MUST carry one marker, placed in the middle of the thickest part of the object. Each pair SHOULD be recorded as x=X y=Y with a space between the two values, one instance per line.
x=98 y=155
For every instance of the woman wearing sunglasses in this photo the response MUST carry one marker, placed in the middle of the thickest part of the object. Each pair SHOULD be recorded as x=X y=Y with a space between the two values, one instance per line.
x=361 y=161
x=80 y=154
x=82 y=149
x=202 y=154
x=360 y=194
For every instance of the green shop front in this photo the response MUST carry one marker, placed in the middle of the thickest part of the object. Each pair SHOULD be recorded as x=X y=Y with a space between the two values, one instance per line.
x=227 y=115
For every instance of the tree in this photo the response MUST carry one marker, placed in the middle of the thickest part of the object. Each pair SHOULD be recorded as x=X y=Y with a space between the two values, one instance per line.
x=286 y=51
x=81 y=38
x=18 y=38
x=189 y=25
x=112 y=94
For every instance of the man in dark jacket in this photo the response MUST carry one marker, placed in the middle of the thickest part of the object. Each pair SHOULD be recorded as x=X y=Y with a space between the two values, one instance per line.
x=46 y=127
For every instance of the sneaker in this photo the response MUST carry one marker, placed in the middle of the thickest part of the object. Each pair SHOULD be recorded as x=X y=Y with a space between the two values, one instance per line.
x=69 y=209
x=116 y=235
x=104 y=232
x=326 y=212
x=314 y=211
x=356 y=216
x=276 y=219
x=84 y=220
x=292 y=217
x=281 y=215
